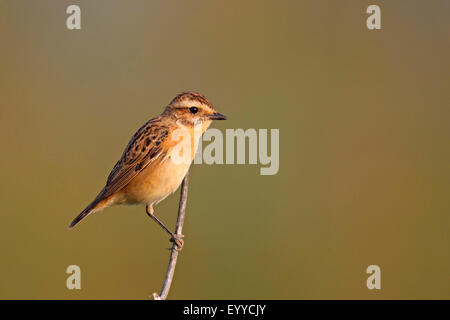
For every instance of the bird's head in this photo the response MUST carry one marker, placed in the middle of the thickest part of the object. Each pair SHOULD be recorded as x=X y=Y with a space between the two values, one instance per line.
x=190 y=108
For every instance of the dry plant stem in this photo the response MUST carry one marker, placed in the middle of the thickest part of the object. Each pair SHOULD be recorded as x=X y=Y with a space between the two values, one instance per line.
x=173 y=251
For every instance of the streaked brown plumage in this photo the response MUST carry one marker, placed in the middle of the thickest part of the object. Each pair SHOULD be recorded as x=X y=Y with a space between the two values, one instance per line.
x=146 y=173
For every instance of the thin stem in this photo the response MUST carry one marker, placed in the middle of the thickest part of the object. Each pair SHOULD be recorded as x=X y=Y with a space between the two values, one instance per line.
x=173 y=251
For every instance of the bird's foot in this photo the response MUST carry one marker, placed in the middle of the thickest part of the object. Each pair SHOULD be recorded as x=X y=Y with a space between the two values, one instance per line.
x=178 y=241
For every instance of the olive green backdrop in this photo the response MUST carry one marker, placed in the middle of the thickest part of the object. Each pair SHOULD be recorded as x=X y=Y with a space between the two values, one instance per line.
x=364 y=148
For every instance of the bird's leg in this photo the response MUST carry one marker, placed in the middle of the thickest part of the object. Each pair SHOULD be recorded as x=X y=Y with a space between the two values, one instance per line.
x=173 y=237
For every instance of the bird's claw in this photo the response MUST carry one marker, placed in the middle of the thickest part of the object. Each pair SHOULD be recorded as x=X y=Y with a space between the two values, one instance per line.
x=179 y=243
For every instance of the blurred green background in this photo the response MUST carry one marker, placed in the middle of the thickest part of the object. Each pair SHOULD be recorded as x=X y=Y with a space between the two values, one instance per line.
x=364 y=148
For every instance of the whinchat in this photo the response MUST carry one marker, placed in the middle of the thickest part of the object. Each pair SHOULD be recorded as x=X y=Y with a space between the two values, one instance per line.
x=149 y=169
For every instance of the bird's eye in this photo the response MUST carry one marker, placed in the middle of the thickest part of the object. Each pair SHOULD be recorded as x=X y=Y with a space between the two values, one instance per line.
x=193 y=109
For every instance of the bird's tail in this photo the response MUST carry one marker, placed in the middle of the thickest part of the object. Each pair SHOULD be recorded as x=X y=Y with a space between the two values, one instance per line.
x=80 y=217
x=95 y=205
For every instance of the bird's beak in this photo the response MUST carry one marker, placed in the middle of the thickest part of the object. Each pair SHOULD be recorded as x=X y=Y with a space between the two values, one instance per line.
x=217 y=116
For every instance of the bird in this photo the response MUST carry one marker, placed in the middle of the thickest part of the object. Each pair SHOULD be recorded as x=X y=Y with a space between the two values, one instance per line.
x=150 y=169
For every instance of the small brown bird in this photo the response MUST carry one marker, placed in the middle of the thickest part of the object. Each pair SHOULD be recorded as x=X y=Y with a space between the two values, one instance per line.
x=149 y=169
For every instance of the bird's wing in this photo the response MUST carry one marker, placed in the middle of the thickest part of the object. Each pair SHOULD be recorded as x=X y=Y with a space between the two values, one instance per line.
x=144 y=148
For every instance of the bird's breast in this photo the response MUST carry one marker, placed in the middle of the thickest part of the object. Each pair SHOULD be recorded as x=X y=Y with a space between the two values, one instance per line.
x=160 y=179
